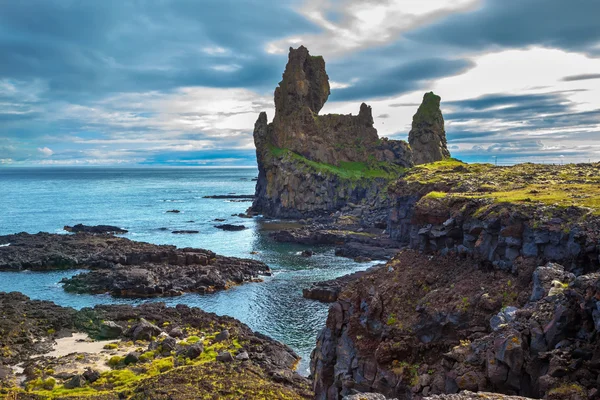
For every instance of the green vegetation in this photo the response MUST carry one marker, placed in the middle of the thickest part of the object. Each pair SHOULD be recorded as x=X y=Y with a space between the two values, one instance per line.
x=429 y=109
x=554 y=185
x=111 y=346
x=346 y=170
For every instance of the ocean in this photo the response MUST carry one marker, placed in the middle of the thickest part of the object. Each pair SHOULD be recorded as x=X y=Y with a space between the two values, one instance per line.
x=137 y=199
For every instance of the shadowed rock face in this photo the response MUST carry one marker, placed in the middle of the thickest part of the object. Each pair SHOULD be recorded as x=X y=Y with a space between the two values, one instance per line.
x=427 y=137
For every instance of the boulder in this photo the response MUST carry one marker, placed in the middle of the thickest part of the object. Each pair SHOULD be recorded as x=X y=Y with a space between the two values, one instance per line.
x=193 y=351
x=144 y=330
x=110 y=330
x=222 y=336
x=225 y=356
x=76 y=381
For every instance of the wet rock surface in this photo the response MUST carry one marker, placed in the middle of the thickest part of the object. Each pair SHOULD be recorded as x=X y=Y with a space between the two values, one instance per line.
x=143 y=353
x=328 y=291
x=125 y=268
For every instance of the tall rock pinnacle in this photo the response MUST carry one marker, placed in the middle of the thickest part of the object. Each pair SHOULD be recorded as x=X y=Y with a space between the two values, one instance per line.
x=427 y=137
x=305 y=84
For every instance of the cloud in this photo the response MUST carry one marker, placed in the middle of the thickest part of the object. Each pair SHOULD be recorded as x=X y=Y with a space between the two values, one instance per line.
x=400 y=79
x=45 y=151
x=582 y=77
x=183 y=82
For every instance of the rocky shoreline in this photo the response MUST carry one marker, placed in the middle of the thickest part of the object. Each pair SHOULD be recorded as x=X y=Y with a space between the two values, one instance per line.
x=125 y=268
x=154 y=352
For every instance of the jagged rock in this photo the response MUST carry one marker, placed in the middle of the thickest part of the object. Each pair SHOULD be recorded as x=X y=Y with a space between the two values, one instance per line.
x=543 y=278
x=302 y=155
x=144 y=330
x=77 y=381
x=30 y=324
x=427 y=137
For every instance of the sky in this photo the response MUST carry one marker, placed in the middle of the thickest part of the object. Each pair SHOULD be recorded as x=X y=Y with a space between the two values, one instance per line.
x=181 y=82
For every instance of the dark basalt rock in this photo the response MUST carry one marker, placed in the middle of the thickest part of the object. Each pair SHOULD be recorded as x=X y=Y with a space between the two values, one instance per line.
x=185 y=232
x=230 y=227
x=427 y=137
x=99 y=229
x=174 y=211
x=125 y=268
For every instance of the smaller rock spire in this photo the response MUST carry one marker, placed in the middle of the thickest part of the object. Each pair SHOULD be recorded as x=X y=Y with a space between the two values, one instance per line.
x=427 y=137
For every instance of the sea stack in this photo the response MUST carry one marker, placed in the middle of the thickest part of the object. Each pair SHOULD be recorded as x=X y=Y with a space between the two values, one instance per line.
x=427 y=137
x=311 y=164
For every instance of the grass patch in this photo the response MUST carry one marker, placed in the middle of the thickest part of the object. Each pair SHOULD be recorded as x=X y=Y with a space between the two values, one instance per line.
x=561 y=186
x=346 y=170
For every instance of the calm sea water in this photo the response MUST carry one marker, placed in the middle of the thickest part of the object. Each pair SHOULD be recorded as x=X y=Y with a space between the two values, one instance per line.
x=34 y=200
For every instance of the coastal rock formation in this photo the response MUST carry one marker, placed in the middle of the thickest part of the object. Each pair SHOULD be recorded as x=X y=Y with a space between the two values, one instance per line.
x=311 y=164
x=429 y=325
x=125 y=268
x=491 y=213
x=427 y=137
x=328 y=291
x=500 y=294
x=177 y=359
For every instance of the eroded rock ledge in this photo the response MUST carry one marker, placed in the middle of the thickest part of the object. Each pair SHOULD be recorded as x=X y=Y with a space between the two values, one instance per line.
x=125 y=268
x=310 y=164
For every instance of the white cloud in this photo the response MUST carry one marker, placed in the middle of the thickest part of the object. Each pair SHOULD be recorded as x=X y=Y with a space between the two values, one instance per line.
x=350 y=25
x=227 y=67
x=45 y=151
x=214 y=50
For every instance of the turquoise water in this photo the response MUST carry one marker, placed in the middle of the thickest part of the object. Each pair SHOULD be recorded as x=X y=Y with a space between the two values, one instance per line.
x=36 y=199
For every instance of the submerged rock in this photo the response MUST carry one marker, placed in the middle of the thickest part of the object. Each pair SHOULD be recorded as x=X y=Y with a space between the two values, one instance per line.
x=99 y=229
x=230 y=227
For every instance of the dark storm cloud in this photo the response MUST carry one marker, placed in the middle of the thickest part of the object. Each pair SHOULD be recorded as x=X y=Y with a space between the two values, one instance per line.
x=402 y=78
x=582 y=77
x=508 y=107
x=570 y=25
x=91 y=46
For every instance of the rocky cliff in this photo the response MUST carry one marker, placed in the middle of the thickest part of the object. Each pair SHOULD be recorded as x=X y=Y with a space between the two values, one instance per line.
x=311 y=164
x=501 y=292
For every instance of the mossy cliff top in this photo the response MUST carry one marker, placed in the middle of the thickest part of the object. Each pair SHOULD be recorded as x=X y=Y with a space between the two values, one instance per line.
x=558 y=186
